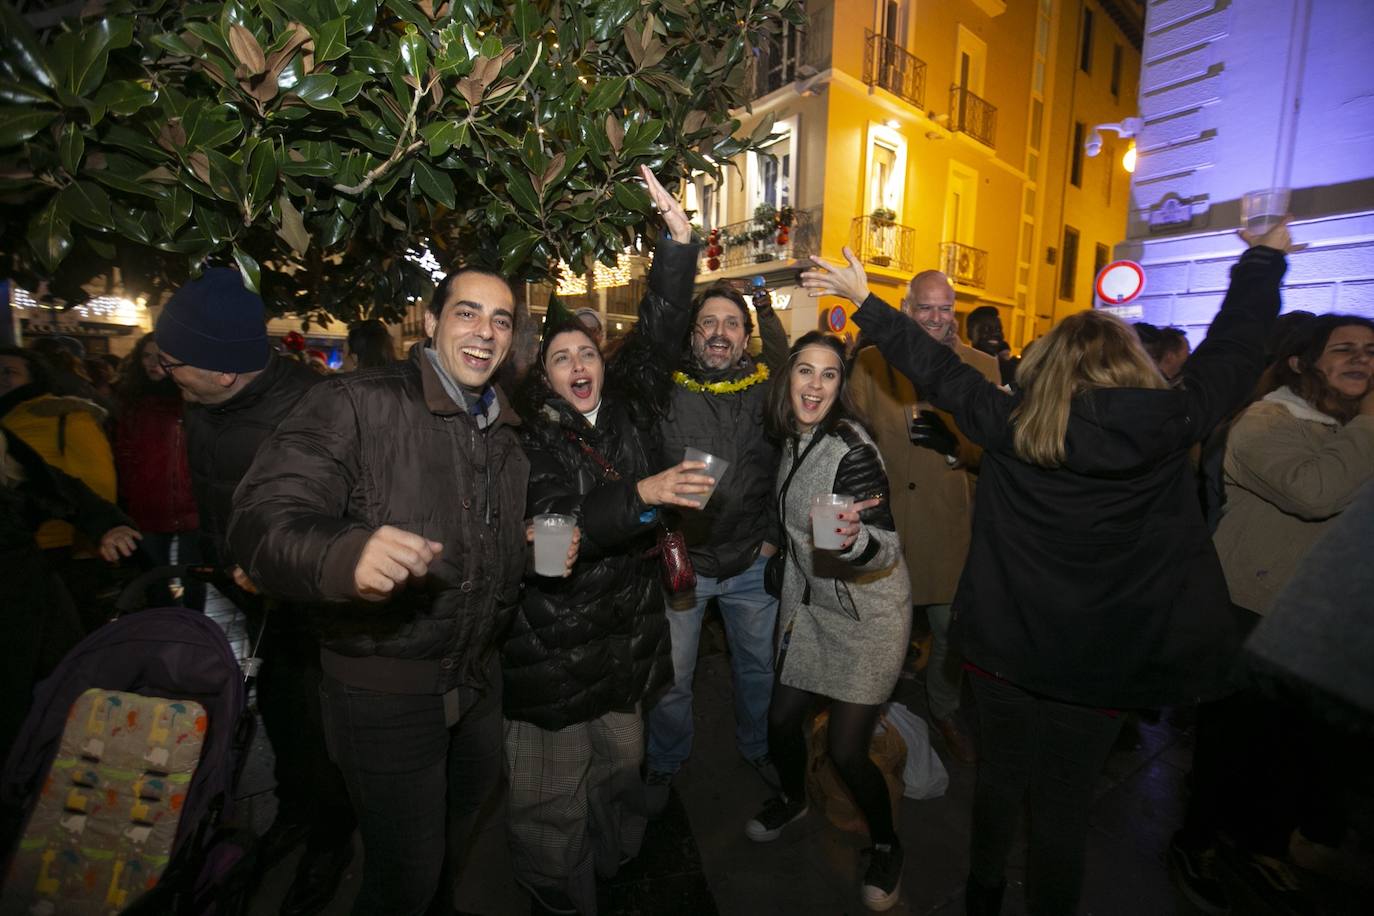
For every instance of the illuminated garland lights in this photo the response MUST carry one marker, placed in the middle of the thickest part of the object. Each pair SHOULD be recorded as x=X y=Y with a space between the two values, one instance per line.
x=760 y=374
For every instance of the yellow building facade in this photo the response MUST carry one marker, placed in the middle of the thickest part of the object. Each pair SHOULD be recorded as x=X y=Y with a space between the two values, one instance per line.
x=933 y=134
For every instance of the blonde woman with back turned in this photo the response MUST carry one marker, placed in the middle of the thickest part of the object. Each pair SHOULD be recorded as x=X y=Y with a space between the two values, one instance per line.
x=1091 y=583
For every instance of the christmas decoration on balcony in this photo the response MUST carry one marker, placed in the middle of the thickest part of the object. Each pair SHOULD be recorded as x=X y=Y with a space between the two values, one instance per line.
x=713 y=250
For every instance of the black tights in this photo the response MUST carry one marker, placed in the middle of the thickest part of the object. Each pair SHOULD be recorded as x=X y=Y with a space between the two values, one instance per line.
x=850 y=731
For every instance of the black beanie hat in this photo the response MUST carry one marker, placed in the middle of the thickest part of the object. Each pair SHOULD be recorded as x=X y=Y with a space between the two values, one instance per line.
x=215 y=323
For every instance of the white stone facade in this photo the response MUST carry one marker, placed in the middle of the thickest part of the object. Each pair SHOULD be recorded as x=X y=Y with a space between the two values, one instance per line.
x=1240 y=95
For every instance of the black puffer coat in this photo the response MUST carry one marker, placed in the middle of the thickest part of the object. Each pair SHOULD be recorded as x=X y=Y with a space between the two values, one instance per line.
x=596 y=641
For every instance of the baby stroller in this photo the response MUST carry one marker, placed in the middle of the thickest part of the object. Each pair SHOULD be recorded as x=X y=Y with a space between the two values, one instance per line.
x=116 y=792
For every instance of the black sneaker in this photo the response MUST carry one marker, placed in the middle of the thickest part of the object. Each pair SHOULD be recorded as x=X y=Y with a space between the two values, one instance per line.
x=883 y=879
x=1195 y=873
x=776 y=814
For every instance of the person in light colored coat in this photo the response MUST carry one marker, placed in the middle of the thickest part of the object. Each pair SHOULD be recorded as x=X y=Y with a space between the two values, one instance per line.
x=845 y=613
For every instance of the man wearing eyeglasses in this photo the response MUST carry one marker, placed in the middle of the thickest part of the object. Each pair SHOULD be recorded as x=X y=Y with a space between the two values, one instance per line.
x=212 y=342
x=715 y=402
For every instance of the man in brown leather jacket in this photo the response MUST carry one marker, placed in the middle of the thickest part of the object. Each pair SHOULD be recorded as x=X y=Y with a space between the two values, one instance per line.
x=392 y=502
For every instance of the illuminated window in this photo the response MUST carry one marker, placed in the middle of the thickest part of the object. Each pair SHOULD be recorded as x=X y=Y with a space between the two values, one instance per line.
x=771 y=169
x=885 y=175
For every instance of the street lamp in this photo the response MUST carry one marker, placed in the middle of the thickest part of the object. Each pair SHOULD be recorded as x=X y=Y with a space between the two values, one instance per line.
x=1127 y=128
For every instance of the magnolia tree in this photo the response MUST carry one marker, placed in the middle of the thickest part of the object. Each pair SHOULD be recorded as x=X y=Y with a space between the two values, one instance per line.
x=318 y=144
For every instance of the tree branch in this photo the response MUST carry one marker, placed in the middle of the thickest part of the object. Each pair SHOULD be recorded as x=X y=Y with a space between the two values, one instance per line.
x=401 y=151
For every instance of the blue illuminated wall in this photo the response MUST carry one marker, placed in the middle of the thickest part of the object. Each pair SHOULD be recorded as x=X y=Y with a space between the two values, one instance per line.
x=1243 y=95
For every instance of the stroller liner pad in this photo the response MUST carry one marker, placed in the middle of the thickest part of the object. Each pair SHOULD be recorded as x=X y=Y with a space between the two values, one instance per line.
x=102 y=831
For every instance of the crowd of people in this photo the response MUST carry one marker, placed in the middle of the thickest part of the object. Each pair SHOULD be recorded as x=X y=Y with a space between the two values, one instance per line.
x=1139 y=508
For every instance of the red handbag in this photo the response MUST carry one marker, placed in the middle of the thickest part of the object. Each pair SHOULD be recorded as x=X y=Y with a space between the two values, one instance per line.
x=674 y=563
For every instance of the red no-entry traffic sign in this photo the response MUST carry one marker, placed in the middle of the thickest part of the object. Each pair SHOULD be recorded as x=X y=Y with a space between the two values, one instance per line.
x=1120 y=282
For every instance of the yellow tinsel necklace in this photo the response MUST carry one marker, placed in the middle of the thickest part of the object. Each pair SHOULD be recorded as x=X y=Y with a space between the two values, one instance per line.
x=758 y=375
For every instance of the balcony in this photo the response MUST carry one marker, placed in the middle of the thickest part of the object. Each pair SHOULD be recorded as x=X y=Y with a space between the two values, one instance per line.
x=792 y=54
x=883 y=243
x=964 y=264
x=972 y=115
x=751 y=242
x=892 y=67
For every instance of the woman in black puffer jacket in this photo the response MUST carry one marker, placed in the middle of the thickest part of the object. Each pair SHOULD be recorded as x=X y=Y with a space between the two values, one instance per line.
x=585 y=650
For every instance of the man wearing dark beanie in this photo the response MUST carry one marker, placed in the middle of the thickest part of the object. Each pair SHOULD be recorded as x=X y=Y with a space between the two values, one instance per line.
x=212 y=335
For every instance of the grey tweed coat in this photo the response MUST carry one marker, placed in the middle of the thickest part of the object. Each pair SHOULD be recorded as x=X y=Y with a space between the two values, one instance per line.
x=845 y=617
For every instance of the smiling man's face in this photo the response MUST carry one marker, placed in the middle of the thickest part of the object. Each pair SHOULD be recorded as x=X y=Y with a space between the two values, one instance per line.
x=720 y=336
x=472 y=335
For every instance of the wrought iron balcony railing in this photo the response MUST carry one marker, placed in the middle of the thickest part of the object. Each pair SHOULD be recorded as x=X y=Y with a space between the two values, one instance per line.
x=883 y=243
x=964 y=264
x=889 y=65
x=973 y=115
x=751 y=242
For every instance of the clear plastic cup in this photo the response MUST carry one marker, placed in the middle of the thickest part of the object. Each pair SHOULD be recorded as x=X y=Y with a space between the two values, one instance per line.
x=715 y=468
x=553 y=536
x=825 y=519
x=1261 y=211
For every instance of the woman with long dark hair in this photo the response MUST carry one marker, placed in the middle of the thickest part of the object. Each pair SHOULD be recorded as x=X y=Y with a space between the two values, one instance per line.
x=584 y=651
x=1091 y=583
x=844 y=616
x=151 y=465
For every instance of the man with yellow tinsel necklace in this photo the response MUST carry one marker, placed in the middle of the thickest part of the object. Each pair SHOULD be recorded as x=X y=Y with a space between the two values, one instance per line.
x=715 y=402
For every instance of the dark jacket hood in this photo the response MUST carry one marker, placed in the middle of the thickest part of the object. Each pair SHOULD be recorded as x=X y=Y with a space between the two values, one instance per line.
x=1117 y=432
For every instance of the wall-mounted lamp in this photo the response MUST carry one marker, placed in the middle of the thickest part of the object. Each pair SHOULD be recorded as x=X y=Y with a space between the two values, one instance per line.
x=1128 y=159
x=1128 y=128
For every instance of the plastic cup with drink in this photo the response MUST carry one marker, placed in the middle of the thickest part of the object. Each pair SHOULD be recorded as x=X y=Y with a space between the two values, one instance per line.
x=553 y=536
x=715 y=469
x=825 y=519
x=1261 y=211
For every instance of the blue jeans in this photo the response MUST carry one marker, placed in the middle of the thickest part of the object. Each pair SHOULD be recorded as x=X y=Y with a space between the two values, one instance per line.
x=750 y=616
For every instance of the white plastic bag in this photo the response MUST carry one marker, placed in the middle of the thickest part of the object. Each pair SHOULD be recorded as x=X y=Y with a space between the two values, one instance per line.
x=925 y=775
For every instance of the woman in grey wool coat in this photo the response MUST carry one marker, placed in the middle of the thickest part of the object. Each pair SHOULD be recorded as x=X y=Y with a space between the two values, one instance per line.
x=845 y=615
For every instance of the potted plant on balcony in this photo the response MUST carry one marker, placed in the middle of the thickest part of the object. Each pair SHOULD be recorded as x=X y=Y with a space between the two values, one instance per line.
x=882 y=228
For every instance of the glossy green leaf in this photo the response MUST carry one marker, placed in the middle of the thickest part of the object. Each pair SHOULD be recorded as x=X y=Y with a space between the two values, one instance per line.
x=522 y=192
x=262 y=173
x=252 y=273
x=124 y=97
x=71 y=146
x=414 y=53
x=21 y=50
x=331 y=40
x=434 y=184
x=50 y=235
x=605 y=93
x=87 y=203
x=19 y=124
x=527 y=19
x=175 y=209
x=514 y=246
